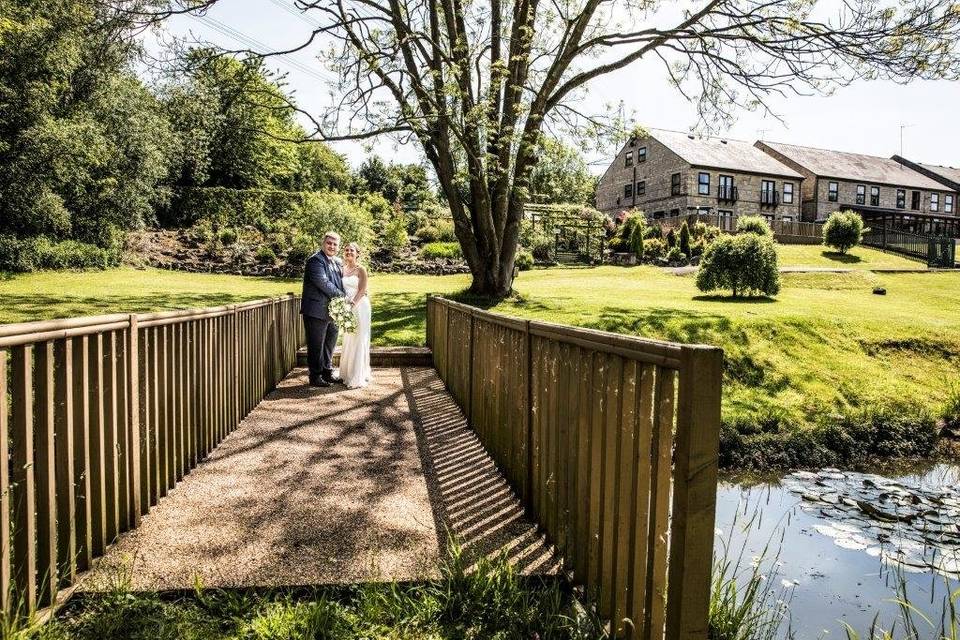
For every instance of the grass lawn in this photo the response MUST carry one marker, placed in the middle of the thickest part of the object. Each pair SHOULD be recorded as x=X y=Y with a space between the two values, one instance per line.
x=815 y=255
x=826 y=352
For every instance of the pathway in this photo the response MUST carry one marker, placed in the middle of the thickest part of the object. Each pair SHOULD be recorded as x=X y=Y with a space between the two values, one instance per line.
x=321 y=486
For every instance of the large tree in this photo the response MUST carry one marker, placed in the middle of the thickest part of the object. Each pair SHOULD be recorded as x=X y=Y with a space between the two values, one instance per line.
x=477 y=82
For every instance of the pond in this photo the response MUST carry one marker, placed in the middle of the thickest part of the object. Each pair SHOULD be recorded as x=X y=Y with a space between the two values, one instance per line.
x=841 y=542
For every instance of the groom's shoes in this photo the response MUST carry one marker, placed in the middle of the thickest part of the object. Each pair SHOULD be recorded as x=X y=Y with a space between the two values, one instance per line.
x=319 y=381
x=329 y=379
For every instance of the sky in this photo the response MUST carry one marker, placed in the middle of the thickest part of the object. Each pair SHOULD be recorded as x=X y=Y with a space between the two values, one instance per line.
x=867 y=117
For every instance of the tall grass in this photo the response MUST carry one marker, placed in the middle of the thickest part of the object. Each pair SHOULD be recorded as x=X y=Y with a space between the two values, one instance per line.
x=475 y=598
x=913 y=624
x=749 y=600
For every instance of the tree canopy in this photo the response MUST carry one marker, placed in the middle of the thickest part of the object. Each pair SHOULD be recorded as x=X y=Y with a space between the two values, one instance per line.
x=476 y=84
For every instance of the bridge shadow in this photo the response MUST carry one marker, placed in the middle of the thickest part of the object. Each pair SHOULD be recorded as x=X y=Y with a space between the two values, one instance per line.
x=471 y=500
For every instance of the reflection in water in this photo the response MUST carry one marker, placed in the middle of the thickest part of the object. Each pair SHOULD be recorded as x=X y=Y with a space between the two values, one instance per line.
x=847 y=539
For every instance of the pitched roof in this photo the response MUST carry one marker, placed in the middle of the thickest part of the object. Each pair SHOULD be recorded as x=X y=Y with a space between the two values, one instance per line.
x=950 y=173
x=722 y=153
x=854 y=166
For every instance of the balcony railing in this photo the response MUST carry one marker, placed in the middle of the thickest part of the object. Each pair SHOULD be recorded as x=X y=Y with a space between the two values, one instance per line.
x=727 y=194
x=769 y=198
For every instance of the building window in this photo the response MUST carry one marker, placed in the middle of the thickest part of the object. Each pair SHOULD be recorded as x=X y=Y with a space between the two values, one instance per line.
x=674 y=212
x=915 y=200
x=901 y=199
x=703 y=183
x=833 y=191
x=641 y=155
x=642 y=188
x=768 y=192
x=628 y=159
x=787 y=218
x=657 y=215
x=861 y=194
x=934 y=202
x=725 y=189
x=628 y=190
x=948 y=203
x=874 y=196
x=787 y=193
x=675 y=184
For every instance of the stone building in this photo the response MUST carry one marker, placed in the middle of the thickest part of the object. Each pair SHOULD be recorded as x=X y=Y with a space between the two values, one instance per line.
x=875 y=187
x=667 y=173
x=947 y=176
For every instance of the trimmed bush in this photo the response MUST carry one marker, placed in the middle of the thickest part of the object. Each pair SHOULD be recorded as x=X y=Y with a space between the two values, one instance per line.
x=754 y=224
x=843 y=230
x=437 y=231
x=671 y=238
x=654 y=248
x=524 y=260
x=675 y=255
x=745 y=264
x=440 y=250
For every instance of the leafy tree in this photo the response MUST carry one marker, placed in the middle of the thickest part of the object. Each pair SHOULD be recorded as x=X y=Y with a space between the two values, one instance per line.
x=843 y=230
x=685 y=239
x=746 y=264
x=476 y=84
x=82 y=147
x=560 y=175
x=406 y=184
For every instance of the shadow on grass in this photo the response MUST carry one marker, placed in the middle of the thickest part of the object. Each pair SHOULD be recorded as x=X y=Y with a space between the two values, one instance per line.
x=845 y=258
x=735 y=299
x=675 y=325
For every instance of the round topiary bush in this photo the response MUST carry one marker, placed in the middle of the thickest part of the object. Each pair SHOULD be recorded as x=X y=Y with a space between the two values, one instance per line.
x=843 y=230
x=745 y=264
x=754 y=224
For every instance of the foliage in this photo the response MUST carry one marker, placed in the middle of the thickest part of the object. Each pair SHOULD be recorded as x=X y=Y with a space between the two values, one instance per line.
x=674 y=255
x=472 y=598
x=437 y=231
x=312 y=213
x=394 y=237
x=671 y=238
x=754 y=224
x=403 y=184
x=746 y=264
x=435 y=250
x=654 y=248
x=524 y=260
x=228 y=236
x=266 y=255
x=843 y=230
x=629 y=235
x=41 y=253
x=560 y=175
x=684 y=240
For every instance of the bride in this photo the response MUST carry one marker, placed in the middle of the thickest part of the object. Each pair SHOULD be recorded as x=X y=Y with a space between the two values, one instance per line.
x=355 y=357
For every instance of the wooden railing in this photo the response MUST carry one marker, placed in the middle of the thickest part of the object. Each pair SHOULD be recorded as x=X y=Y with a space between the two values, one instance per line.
x=100 y=417
x=611 y=443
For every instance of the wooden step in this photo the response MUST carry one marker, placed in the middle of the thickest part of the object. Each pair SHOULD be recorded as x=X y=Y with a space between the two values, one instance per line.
x=384 y=357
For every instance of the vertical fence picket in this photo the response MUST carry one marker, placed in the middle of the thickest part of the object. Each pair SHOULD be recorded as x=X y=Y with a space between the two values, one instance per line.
x=5 y=514
x=81 y=451
x=64 y=454
x=24 y=496
x=97 y=451
x=45 y=474
x=110 y=437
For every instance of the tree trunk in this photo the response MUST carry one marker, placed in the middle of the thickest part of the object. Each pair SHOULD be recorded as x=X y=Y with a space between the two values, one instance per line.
x=493 y=278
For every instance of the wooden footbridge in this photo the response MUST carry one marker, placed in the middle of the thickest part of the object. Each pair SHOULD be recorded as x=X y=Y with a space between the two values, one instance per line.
x=190 y=442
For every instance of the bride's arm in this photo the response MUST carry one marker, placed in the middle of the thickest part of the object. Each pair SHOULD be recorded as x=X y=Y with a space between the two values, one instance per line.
x=361 y=285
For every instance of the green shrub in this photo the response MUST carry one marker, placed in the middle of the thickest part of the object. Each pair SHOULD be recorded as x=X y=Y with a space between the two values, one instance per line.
x=655 y=231
x=31 y=254
x=843 y=230
x=228 y=237
x=671 y=238
x=654 y=248
x=524 y=260
x=437 y=231
x=746 y=264
x=266 y=255
x=685 y=239
x=754 y=224
x=437 y=250
x=697 y=248
x=394 y=237
x=675 y=255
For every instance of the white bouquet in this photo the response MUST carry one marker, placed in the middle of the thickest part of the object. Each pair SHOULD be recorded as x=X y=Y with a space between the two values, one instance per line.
x=341 y=312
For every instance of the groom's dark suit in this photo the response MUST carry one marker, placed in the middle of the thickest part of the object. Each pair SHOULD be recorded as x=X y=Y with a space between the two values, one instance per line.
x=322 y=281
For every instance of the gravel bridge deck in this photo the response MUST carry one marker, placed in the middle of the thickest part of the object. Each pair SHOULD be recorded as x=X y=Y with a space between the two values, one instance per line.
x=324 y=486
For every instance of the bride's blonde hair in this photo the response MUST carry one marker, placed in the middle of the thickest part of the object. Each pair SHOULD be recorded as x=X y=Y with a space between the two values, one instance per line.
x=356 y=248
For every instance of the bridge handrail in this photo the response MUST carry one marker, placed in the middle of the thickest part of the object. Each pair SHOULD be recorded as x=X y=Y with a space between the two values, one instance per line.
x=617 y=491
x=101 y=416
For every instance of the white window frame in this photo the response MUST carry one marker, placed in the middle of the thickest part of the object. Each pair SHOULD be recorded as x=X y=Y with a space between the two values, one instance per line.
x=833 y=192
x=787 y=195
x=934 y=202
x=628 y=159
x=948 y=203
x=703 y=184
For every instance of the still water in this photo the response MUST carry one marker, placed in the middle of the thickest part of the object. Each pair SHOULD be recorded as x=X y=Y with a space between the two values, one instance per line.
x=840 y=542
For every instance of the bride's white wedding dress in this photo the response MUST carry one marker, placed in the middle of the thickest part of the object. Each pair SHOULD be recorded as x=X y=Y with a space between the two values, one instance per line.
x=355 y=356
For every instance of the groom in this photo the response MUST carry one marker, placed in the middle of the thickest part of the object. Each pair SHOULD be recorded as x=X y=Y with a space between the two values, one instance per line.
x=322 y=282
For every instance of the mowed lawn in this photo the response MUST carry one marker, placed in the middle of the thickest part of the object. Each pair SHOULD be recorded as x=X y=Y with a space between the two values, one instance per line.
x=820 y=257
x=825 y=344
